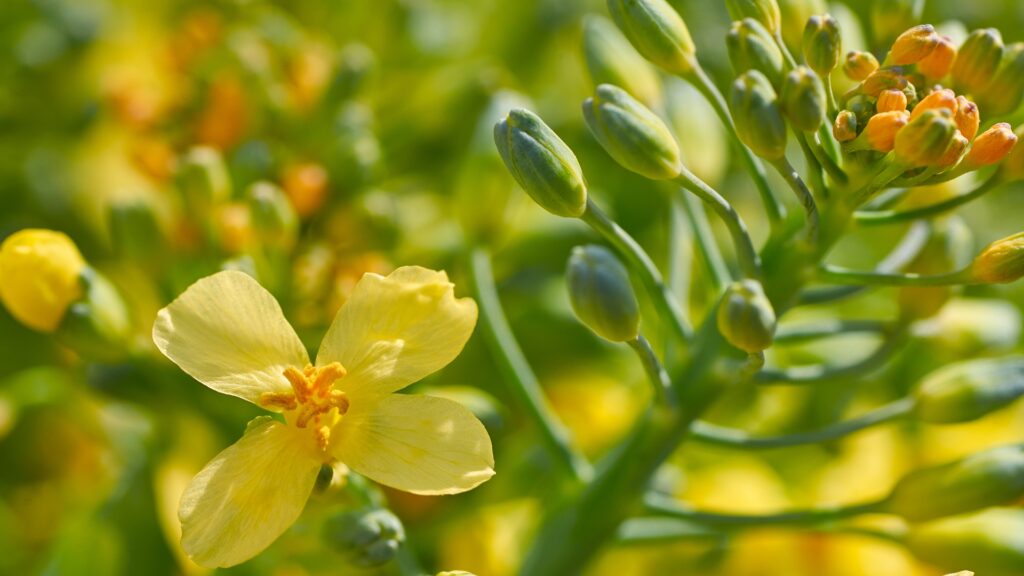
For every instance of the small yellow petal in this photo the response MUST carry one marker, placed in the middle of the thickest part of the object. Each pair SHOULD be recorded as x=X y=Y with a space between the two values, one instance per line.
x=229 y=333
x=419 y=444
x=397 y=329
x=248 y=495
x=39 y=277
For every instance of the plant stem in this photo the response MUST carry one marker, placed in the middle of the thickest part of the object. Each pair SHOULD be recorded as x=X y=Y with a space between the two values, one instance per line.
x=670 y=507
x=827 y=328
x=717 y=269
x=821 y=372
x=517 y=371
x=838 y=275
x=895 y=216
x=790 y=175
x=656 y=374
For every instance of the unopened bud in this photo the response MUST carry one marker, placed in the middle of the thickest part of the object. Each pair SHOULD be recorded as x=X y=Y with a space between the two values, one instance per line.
x=274 y=221
x=746 y=317
x=611 y=59
x=892 y=101
x=882 y=129
x=1013 y=166
x=765 y=12
x=967 y=117
x=657 y=32
x=96 y=325
x=822 y=44
x=883 y=79
x=803 y=99
x=925 y=139
x=306 y=185
x=991 y=146
x=541 y=163
x=944 y=98
x=1000 y=262
x=752 y=47
x=368 y=538
x=845 y=127
x=203 y=179
x=913 y=45
x=631 y=134
x=977 y=61
x=954 y=152
x=759 y=122
x=1004 y=93
x=937 y=64
x=40 y=277
x=795 y=14
x=983 y=479
x=859 y=65
x=990 y=542
x=968 y=390
x=601 y=294
x=134 y=230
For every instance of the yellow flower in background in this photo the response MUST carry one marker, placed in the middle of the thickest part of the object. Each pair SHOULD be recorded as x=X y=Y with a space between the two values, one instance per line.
x=40 y=277
x=230 y=334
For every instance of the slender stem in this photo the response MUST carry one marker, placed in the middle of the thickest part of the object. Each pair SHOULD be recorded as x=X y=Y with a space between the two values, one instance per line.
x=838 y=275
x=814 y=169
x=816 y=373
x=830 y=94
x=724 y=436
x=774 y=208
x=517 y=371
x=787 y=55
x=709 y=252
x=670 y=507
x=656 y=374
x=790 y=334
x=642 y=265
x=790 y=175
x=894 y=216
x=652 y=529
x=827 y=162
x=750 y=262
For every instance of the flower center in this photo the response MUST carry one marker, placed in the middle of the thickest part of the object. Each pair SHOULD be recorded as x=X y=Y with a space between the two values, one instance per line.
x=313 y=399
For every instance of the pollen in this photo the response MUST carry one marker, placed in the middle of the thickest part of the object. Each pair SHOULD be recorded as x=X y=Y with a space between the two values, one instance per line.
x=312 y=400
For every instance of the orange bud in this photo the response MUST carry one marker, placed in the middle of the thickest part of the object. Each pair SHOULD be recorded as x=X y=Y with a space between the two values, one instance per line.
x=967 y=117
x=882 y=128
x=859 y=65
x=913 y=45
x=882 y=80
x=956 y=150
x=306 y=187
x=937 y=64
x=845 y=127
x=944 y=98
x=991 y=146
x=891 y=101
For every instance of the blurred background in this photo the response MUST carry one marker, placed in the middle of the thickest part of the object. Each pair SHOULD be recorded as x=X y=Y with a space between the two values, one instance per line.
x=372 y=120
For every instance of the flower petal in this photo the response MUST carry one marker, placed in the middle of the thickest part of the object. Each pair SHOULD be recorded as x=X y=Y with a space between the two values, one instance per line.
x=397 y=329
x=229 y=333
x=248 y=495
x=419 y=444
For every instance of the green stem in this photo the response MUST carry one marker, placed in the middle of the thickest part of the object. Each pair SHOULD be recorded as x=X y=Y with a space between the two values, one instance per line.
x=830 y=95
x=656 y=374
x=790 y=175
x=827 y=328
x=827 y=162
x=791 y=62
x=816 y=373
x=895 y=216
x=674 y=509
x=814 y=168
x=733 y=437
x=717 y=269
x=517 y=371
x=750 y=262
x=838 y=275
x=655 y=529
x=641 y=265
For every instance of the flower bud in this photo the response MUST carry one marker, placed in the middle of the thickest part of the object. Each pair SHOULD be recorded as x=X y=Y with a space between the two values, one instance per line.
x=368 y=538
x=977 y=61
x=1013 y=166
x=937 y=64
x=845 y=127
x=859 y=65
x=96 y=325
x=968 y=390
x=203 y=179
x=631 y=134
x=981 y=480
x=822 y=44
x=944 y=98
x=752 y=47
x=601 y=295
x=892 y=101
x=967 y=117
x=795 y=14
x=803 y=99
x=274 y=220
x=657 y=32
x=954 y=152
x=40 y=276
x=925 y=139
x=882 y=129
x=913 y=45
x=134 y=230
x=1004 y=93
x=541 y=163
x=991 y=146
x=990 y=542
x=611 y=59
x=881 y=80
x=306 y=185
x=746 y=318
x=765 y=12
x=759 y=122
x=1000 y=262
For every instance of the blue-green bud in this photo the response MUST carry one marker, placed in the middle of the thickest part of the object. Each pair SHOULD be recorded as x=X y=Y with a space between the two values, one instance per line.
x=203 y=179
x=977 y=61
x=990 y=542
x=274 y=220
x=368 y=538
x=751 y=47
x=981 y=480
x=611 y=59
x=823 y=44
x=1003 y=95
x=97 y=325
x=765 y=12
x=968 y=390
x=746 y=317
x=541 y=163
x=631 y=134
x=601 y=294
x=803 y=99
x=657 y=32
x=758 y=118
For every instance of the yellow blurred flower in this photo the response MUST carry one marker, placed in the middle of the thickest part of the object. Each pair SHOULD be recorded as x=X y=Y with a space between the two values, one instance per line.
x=493 y=540
x=230 y=334
x=39 y=277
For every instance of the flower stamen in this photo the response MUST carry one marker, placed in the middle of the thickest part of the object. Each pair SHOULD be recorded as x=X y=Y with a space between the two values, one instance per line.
x=312 y=397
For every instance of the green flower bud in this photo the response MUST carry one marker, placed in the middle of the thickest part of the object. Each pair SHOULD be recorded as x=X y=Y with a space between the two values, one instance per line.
x=541 y=163
x=977 y=61
x=924 y=140
x=631 y=134
x=758 y=118
x=1000 y=262
x=611 y=59
x=134 y=230
x=795 y=14
x=97 y=325
x=601 y=295
x=803 y=99
x=990 y=542
x=751 y=47
x=765 y=12
x=657 y=32
x=970 y=326
x=968 y=390
x=823 y=44
x=981 y=480
x=273 y=217
x=368 y=538
x=1004 y=93
x=746 y=318
x=203 y=179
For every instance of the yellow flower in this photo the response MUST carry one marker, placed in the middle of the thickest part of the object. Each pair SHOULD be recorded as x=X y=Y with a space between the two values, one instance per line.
x=40 y=277
x=230 y=334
